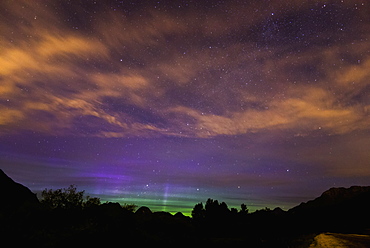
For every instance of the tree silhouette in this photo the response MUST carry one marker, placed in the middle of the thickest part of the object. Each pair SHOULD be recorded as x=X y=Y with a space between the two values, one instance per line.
x=129 y=207
x=198 y=212
x=215 y=210
x=243 y=209
x=91 y=201
x=66 y=198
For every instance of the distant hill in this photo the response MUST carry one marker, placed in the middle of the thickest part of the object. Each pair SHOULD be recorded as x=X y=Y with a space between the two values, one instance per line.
x=14 y=195
x=337 y=209
x=335 y=197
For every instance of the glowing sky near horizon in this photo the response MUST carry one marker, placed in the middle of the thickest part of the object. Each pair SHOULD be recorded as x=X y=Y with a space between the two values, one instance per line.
x=168 y=103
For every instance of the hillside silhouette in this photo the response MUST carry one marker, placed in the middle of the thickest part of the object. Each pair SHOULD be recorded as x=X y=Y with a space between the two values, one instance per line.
x=65 y=217
x=14 y=195
x=336 y=210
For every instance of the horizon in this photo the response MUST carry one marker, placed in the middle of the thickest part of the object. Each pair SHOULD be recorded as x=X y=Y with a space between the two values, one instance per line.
x=184 y=209
x=187 y=211
x=169 y=103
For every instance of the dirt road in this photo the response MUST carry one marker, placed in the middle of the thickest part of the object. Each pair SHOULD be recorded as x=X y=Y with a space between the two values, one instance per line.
x=330 y=240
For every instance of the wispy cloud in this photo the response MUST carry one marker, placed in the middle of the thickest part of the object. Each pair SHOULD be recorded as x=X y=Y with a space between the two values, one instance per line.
x=184 y=82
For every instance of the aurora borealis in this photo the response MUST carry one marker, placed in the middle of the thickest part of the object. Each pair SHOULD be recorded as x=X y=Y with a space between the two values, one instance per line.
x=168 y=103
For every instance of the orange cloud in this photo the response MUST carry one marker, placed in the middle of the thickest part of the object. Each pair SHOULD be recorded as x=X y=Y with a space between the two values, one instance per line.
x=69 y=74
x=39 y=56
x=313 y=109
x=69 y=46
x=10 y=116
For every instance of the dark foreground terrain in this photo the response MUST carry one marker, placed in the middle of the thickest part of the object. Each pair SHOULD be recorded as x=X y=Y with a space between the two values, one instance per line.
x=63 y=219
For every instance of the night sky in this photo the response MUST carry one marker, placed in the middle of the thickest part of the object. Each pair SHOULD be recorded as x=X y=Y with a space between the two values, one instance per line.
x=168 y=103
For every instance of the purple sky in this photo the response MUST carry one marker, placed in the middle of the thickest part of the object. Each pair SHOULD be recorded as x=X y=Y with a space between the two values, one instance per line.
x=168 y=103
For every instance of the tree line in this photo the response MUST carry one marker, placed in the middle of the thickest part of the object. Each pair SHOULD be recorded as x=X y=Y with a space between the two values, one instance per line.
x=70 y=198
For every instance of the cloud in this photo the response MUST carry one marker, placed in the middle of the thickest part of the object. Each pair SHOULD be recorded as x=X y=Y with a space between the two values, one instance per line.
x=167 y=74
x=9 y=116
x=305 y=110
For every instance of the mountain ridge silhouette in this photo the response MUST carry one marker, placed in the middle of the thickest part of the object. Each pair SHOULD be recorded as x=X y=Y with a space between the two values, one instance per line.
x=334 y=196
x=14 y=194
